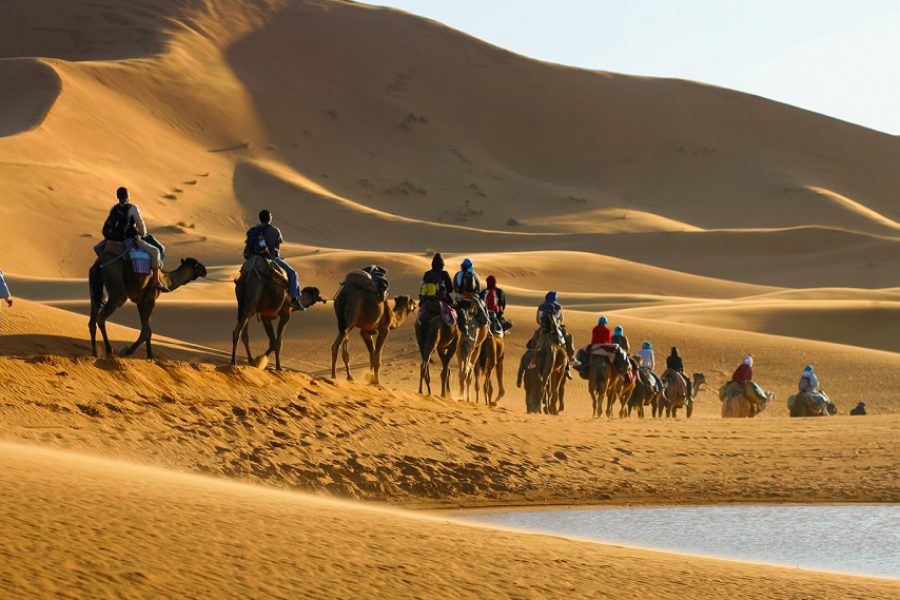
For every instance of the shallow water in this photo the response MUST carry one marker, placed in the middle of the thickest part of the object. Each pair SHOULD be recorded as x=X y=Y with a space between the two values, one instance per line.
x=863 y=540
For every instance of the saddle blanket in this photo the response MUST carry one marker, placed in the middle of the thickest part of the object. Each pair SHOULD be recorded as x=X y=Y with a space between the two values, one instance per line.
x=140 y=260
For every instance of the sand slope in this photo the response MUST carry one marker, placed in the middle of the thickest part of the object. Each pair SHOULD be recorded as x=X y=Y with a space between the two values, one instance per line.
x=226 y=540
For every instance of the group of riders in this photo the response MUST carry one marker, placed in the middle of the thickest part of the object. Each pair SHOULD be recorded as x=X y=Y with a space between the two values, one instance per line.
x=459 y=300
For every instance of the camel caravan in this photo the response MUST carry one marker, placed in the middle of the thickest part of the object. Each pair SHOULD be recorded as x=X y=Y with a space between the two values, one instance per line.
x=454 y=317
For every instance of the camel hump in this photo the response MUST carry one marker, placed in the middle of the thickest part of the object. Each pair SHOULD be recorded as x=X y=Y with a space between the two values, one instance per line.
x=370 y=279
x=266 y=269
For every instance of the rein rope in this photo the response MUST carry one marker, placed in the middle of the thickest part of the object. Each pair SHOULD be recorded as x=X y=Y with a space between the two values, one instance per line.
x=106 y=264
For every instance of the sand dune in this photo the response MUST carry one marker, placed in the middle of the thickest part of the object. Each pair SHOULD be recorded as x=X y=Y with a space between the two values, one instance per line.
x=232 y=540
x=696 y=217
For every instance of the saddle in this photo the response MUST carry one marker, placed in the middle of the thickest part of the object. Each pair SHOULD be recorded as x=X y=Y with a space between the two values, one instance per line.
x=264 y=268
x=140 y=260
x=370 y=279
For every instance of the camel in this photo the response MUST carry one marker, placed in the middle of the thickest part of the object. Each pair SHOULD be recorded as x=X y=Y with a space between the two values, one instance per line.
x=534 y=390
x=646 y=393
x=624 y=387
x=802 y=405
x=601 y=383
x=469 y=349
x=433 y=335
x=551 y=361
x=112 y=273
x=736 y=403
x=257 y=294
x=490 y=361
x=675 y=394
x=361 y=308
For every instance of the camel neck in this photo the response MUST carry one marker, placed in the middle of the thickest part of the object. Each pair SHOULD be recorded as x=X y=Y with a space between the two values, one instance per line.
x=177 y=278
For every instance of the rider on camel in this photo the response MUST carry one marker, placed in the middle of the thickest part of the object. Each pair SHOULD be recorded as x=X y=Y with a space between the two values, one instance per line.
x=265 y=240
x=5 y=294
x=620 y=339
x=436 y=287
x=126 y=223
x=467 y=286
x=601 y=333
x=675 y=363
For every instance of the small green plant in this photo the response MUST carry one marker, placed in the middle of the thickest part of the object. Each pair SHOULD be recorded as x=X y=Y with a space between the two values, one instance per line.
x=511 y=222
x=170 y=196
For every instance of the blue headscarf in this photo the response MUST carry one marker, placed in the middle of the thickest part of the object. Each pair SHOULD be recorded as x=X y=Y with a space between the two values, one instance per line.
x=603 y=321
x=618 y=330
x=808 y=369
x=647 y=346
x=466 y=264
x=550 y=297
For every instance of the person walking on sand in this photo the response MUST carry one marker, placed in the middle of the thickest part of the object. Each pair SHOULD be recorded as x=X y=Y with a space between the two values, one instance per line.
x=5 y=294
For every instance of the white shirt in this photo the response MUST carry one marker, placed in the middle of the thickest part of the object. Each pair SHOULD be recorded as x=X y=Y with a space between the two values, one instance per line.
x=647 y=359
x=139 y=224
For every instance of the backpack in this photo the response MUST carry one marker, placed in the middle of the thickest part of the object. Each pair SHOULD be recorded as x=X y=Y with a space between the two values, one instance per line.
x=490 y=300
x=467 y=284
x=119 y=226
x=256 y=242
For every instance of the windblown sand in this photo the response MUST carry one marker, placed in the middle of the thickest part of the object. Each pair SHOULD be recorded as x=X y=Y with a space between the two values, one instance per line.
x=694 y=216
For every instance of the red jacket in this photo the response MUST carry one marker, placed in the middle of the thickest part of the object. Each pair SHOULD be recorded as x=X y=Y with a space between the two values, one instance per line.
x=601 y=335
x=743 y=374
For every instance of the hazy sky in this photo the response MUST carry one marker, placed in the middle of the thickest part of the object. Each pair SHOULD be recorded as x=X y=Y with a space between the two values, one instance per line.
x=837 y=57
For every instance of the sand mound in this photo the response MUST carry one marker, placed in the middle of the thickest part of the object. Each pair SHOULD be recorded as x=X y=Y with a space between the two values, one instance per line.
x=375 y=443
x=229 y=540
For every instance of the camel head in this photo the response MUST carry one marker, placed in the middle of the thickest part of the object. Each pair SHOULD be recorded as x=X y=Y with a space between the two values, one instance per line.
x=196 y=268
x=309 y=296
x=403 y=307
x=699 y=381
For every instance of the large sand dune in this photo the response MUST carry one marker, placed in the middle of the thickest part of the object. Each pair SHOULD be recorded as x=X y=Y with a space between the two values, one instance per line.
x=697 y=217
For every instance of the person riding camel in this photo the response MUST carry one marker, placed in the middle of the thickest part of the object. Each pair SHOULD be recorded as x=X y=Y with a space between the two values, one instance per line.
x=494 y=299
x=744 y=372
x=467 y=286
x=265 y=240
x=620 y=339
x=552 y=309
x=126 y=223
x=601 y=334
x=648 y=359
x=5 y=294
x=809 y=385
x=647 y=365
x=675 y=363
x=436 y=288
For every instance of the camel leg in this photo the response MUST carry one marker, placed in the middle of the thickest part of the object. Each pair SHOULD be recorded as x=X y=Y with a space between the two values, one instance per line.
x=368 y=340
x=446 y=355
x=270 y=333
x=279 y=337
x=142 y=337
x=499 y=370
x=245 y=338
x=111 y=306
x=240 y=332
x=345 y=356
x=379 y=346
x=335 y=348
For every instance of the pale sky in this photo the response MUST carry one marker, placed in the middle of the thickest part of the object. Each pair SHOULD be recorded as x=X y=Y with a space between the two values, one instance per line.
x=836 y=57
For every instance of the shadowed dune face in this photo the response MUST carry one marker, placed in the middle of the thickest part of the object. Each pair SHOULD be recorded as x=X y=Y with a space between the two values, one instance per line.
x=423 y=128
x=29 y=90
